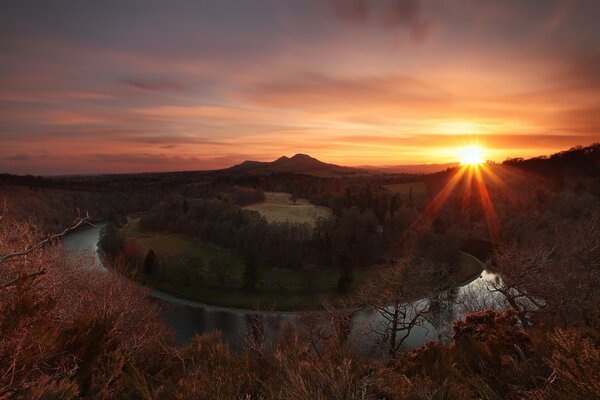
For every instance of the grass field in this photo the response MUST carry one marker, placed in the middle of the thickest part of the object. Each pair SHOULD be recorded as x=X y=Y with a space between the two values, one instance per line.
x=279 y=289
x=278 y=207
x=419 y=191
x=172 y=246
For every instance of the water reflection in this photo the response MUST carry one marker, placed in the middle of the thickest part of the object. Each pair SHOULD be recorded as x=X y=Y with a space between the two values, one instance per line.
x=187 y=318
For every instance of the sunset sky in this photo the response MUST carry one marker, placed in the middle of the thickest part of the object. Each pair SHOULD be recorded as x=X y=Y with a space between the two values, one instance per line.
x=124 y=86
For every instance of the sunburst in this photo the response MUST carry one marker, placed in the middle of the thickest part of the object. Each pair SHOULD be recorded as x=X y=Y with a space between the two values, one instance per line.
x=471 y=155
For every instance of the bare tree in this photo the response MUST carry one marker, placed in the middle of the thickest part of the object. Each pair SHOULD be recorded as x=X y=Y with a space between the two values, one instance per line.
x=578 y=272
x=255 y=338
x=22 y=255
x=327 y=331
x=522 y=278
x=70 y=311
x=394 y=297
x=557 y=279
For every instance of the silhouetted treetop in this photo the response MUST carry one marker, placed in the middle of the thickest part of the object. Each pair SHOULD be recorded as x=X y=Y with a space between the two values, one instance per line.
x=578 y=160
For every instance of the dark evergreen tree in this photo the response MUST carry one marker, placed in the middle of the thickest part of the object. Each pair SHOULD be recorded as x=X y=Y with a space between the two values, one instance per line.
x=150 y=262
x=251 y=272
x=112 y=217
x=347 y=277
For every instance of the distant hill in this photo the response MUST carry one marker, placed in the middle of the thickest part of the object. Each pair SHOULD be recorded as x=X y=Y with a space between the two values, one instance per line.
x=298 y=164
x=408 y=169
x=305 y=164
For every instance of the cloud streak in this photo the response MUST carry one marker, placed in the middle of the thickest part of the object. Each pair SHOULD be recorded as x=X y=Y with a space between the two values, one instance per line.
x=88 y=88
x=389 y=14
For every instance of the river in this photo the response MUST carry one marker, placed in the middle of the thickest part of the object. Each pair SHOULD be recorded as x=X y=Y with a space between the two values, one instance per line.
x=188 y=318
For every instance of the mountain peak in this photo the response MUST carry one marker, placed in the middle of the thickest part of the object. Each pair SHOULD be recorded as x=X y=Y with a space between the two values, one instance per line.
x=281 y=159
x=298 y=158
x=301 y=160
x=248 y=162
x=299 y=163
x=301 y=156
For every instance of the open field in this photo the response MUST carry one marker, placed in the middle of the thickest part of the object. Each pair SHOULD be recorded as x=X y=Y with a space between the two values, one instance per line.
x=170 y=247
x=278 y=207
x=278 y=289
x=281 y=289
x=419 y=191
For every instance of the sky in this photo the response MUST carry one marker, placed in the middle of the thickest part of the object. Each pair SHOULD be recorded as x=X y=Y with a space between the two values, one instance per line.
x=148 y=85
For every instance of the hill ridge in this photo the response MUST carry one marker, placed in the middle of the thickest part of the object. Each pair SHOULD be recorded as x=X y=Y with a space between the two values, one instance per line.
x=298 y=163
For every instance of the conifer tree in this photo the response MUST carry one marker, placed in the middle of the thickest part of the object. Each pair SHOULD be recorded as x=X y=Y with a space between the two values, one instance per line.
x=251 y=274
x=150 y=262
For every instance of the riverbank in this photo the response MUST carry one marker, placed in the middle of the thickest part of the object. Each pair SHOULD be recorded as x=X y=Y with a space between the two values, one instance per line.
x=196 y=271
x=287 y=300
x=189 y=318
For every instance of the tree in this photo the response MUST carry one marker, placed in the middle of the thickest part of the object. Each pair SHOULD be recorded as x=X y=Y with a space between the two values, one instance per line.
x=220 y=267
x=150 y=262
x=23 y=230
x=309 y=277
x=193 y=269
x=112 y=217
x=109 y=320
x=110 y=241
x=393 y=297
x=347 y=277
x=553 y=279
x=251 y=274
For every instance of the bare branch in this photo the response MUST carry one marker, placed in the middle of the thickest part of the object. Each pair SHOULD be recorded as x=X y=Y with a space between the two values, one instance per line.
x=21 y=278
x=394 y=298
x=18 y=254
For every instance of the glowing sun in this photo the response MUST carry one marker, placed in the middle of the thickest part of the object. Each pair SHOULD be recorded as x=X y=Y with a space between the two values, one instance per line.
x=471 y=155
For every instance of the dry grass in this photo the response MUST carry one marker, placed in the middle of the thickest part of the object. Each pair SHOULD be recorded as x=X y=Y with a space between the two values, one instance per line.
x=73 y=331
x=79 y=333
x=278 y=207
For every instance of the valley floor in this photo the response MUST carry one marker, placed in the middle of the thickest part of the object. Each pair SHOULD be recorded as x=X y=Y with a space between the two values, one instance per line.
x=187 y=269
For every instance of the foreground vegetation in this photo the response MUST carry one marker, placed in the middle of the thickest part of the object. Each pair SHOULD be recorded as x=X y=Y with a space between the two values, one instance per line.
x=79 y=333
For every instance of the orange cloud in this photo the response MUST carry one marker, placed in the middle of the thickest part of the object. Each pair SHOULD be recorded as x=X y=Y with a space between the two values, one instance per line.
x=352 y=82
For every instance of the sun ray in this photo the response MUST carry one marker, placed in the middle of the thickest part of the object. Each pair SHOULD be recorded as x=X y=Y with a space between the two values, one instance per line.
x=487 y=171
x=489 y=212
x=412 y=235
x=472 y=178
x=466 y=198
